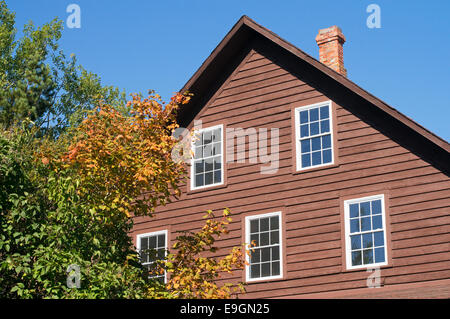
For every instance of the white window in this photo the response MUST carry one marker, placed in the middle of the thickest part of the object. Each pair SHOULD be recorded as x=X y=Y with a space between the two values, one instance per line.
x=265 y=261
x=207 y=164
x=365 y=232
x=152 y=247
x=314 y=135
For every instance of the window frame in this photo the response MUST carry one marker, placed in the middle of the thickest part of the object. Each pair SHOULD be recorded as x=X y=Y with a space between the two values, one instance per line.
x=150 y=234
x=347 y=240
x=280 y=244
x=298 y=153
x=192 y=168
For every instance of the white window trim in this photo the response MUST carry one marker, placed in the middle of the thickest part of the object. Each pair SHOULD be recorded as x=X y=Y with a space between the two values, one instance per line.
x=247 y=240
x=156 y=233
x=192 y=175
x=298 y=153
x=348 y=255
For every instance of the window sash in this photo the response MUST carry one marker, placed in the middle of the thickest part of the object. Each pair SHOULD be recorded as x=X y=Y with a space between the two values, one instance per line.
x=299 y=165
x=279 y=245
x=348 y=234
x=194 y=160
x=139 y=249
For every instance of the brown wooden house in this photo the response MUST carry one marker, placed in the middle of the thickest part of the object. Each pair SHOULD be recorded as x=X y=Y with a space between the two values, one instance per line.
x=348 y=188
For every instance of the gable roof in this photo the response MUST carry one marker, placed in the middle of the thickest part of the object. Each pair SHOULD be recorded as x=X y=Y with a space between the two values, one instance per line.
x=213 y=72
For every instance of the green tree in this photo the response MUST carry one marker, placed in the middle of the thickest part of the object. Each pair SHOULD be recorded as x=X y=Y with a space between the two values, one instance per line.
x=37 y=80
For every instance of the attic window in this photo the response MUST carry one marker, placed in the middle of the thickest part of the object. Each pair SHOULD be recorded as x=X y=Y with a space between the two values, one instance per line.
x=207 y=164
x=314 y=135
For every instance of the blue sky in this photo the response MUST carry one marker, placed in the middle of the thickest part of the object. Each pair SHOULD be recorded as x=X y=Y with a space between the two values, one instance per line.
x=139 y=45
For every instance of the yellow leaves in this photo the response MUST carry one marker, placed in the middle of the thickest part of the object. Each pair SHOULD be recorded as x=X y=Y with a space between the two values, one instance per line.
x=197 y=270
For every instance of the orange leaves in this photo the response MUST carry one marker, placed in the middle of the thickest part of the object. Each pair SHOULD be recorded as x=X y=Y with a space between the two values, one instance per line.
x=122 y=155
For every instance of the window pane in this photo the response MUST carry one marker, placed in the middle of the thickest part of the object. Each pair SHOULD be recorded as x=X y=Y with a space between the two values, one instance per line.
x=198 y=180
x=316 y=158
x=255 y=256
x=379 y=255
x=314 y=115
x=378 y=238
x=377 y=222
x=368 y=256
x=365 y=224
x=217 y=135
x=314 y=127
x=303 y=117
x=306 y=146
x=354 y=210
x=327 y=156
x=208 y=178
x=265 y=269
x=276 y=253
x=265 y=254
x=306 y=160
x=217 y=162
x=152 y=242
x=207 y=137
x=326 y=141
x=315 y=142
x=354 y=225
x=324 y=126
x=144 y=243
x=161 y=253
x=209 y=165
x=217 y=149
x=367 y=240
x=376 y=207
x=207 y=150
x=356 y=258
x=144 y=256
x=304 y=130
x=324 y=112
x=275 y=268
x=217 y=176
x=199 y=166
x=255 y=238
x=364 y=208
x=255 y=271
x=264 y=239
x=356 y=241
x=264 y=224
x=274 y=223
x=274 y=237
x=161 y=241
x=254 y=226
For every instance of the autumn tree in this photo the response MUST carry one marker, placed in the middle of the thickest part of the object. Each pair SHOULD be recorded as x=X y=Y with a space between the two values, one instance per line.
x=194 y=272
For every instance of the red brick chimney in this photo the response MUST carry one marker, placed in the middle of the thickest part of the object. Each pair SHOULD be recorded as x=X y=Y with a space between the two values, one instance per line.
x=331 y=51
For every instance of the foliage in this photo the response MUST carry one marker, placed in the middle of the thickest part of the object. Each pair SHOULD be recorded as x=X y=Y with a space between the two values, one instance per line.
x=195 y=274
x=76 y=165
x=124 y=162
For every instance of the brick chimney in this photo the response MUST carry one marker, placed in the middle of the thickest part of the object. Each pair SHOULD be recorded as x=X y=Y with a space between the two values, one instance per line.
x=331 y=51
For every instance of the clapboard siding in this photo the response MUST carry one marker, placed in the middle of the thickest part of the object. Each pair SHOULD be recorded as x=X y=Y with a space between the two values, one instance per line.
x=261 y=94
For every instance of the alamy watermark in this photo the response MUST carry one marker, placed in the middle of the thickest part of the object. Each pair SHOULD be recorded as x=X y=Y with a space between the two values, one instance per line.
x=74 y=19
x=374 y=19
x=73 y=276
x=374 y=279
x=261 y=148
